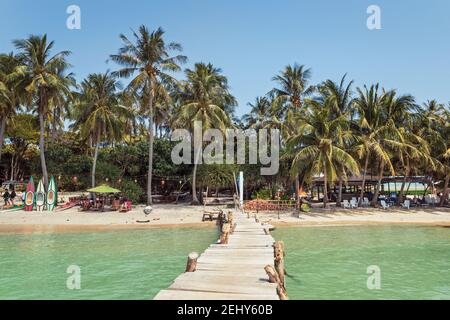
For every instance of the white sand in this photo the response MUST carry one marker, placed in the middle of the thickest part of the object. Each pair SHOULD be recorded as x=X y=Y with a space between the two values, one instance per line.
x=170 y=215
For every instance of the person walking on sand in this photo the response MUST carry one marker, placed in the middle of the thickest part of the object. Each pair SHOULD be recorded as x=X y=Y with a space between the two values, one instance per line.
x=12 y=196
x=6 y=197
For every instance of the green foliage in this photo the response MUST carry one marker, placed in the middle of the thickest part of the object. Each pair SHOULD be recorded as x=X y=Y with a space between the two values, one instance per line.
x=264 y=194
x=304 y=207
x=132 y=190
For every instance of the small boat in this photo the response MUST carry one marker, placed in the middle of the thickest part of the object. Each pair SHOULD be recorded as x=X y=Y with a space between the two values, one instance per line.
x=29 y=195
x=40 y=196
x=51 y=195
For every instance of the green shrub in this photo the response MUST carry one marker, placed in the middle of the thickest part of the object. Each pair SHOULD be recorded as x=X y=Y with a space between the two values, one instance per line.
x=132 y=191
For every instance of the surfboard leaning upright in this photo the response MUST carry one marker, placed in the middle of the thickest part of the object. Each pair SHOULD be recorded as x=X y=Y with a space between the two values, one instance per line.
x=51 y=195
x=40 y=196
x=29 y=195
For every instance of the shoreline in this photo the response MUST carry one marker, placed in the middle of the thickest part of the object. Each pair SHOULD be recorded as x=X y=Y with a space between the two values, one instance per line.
x=185 y=216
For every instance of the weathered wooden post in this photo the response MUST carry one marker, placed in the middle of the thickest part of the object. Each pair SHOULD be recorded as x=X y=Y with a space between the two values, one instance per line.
x=225 y=233
x=192 y=262
x=279 y=254
x=274 y=277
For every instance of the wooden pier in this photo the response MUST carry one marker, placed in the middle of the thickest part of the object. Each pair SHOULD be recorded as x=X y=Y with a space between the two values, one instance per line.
x=233 y=270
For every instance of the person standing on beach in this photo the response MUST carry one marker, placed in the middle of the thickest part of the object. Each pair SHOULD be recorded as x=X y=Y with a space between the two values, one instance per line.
x=6 y=197
x=12 y=196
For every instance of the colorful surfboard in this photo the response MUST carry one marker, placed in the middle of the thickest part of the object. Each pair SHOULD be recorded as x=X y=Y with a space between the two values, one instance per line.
x=29 y=195
x=51 y=195
x=40 y=196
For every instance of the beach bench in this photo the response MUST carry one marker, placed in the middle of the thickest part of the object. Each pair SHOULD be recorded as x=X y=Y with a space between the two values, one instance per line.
x=211 y=215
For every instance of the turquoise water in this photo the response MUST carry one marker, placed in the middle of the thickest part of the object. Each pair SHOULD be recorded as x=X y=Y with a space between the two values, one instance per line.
x=114 y=265
x=332 y=262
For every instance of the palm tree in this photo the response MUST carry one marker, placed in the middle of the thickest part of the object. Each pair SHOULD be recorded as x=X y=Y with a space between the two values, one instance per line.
x=340 y=102
x=293 y=88
x=317 y=145
x=44 y=75
x=205 y=97
x=99 y=114
x=11 y=85
x=149 y=58
x=259 y=113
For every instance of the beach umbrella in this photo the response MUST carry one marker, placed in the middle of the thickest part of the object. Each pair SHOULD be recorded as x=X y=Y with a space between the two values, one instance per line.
x=104 y=188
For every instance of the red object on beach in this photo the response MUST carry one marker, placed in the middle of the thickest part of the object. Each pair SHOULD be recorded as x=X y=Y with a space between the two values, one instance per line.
x=29 y=195
x=126 y=206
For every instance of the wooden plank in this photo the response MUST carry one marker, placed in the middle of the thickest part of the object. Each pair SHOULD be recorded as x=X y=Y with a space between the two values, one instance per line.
x=231 y=271
x=199 y=295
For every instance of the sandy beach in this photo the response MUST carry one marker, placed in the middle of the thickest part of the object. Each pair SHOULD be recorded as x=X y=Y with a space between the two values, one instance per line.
x=170 y=215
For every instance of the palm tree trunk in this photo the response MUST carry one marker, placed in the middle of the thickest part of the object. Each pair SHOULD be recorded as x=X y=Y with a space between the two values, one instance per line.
x=363 y=184
x=42 y=150
x=297 y=193
x=377 y=189
x=325 y=189
x=194 y=178
x=150 y=148
x=339 y=199
x=445 y=193
x=94 y=164
x=2 y=134
x=400 y=196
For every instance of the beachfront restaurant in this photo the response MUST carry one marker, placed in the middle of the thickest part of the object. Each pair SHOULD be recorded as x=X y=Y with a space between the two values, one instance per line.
x=389 y=185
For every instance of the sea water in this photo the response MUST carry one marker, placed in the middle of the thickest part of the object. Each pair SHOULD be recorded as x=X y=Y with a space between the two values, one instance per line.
x=121 y=264
x=339 y=262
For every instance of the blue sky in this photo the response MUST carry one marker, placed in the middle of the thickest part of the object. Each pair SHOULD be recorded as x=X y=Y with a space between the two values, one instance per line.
x=252 y=40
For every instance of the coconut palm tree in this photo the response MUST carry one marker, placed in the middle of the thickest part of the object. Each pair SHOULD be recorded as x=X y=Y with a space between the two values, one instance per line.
x=11 y=73
x=99 y=114
x=318 y=146
x=205 y=97
x=340 y=101
x=44 y=75
x=292 y=88
x=148 y=59
x=259 y=113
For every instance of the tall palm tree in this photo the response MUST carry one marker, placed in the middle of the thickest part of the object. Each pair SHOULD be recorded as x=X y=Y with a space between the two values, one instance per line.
x=148 y=59
x=44 y=74
x=259 y=113
x=99 y=114
x=293 y=87
x=205 y=97
x=340 y=101
x=11 y=86
x=317 y=145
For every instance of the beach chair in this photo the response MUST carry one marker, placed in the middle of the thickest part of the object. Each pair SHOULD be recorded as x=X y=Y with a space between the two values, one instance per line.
x=353 y=203
x=384 y=205
x=366 y=202
x=406 y=204
x=126 y=206
x=346 y=204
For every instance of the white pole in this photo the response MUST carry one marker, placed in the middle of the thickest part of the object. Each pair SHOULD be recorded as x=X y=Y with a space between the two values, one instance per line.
x=241 y=187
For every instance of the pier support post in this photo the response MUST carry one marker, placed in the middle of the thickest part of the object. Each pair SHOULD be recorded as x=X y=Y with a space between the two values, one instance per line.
x=192 y=262
x=279 y=254
x=274 y=277
x=225 y=233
